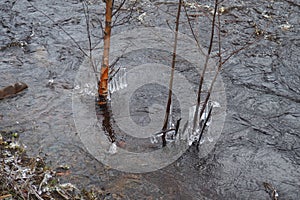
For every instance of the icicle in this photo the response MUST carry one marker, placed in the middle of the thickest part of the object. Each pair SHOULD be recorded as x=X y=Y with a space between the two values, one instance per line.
x=113 y=86
x=170 y=124
x=170 y=136
x=153 y=139
x=123 y=77
x=117 y=80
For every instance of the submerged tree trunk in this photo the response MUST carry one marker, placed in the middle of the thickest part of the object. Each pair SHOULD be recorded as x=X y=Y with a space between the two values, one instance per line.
x=103 y=83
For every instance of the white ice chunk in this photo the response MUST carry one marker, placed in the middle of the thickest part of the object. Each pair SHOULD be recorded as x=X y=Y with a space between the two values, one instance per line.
x=153 y=139
x=112 y=148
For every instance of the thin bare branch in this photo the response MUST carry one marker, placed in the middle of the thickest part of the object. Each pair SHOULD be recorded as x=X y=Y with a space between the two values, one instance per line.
x=204 y=69
x=172 y=75
x=126 y=18
x=204 y=124
x=68 y=34
x=192 y=30
x=220 y=65
x=119 y=8
x=209 y=92
x=87 y=20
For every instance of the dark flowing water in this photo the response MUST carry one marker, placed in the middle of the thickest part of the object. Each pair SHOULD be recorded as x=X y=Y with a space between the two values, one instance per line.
x=261 y=136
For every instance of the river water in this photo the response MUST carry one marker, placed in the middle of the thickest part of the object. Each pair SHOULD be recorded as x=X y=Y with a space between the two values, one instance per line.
x=261 y=134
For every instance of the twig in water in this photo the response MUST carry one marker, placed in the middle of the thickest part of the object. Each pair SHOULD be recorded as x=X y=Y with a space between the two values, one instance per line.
x=204 y=125
x=271 y=190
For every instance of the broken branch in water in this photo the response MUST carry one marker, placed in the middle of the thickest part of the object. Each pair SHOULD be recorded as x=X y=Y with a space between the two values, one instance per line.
x=12 y=90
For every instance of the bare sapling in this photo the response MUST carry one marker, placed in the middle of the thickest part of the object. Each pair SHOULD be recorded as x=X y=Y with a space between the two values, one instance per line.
x=167 y=113
x=207 y=57
x=216 y=24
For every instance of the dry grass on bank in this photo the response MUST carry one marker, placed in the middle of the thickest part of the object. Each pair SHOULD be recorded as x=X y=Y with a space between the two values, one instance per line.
x=23 y=177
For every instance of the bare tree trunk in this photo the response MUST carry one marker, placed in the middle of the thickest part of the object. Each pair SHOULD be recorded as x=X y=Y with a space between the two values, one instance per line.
x=103 y=83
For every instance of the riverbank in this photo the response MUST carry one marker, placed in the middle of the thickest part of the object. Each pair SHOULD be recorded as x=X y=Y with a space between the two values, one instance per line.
x=24 y=177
